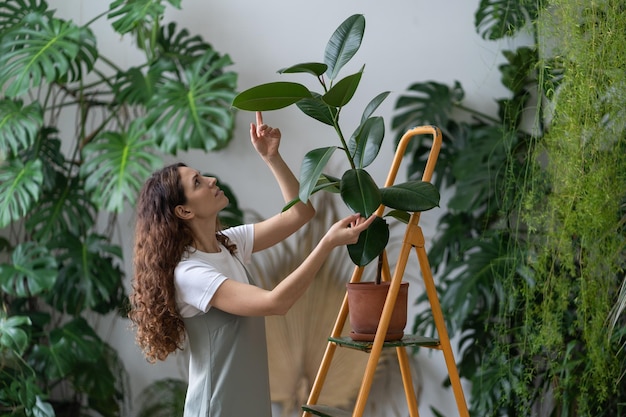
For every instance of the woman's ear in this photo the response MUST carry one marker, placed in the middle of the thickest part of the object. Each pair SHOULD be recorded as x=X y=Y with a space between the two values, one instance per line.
x=182 y=213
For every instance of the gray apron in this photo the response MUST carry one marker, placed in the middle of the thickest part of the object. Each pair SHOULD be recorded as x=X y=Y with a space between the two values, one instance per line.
x=228 y=371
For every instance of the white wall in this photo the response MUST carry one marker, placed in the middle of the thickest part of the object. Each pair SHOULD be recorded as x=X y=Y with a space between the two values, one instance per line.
x=405 y=41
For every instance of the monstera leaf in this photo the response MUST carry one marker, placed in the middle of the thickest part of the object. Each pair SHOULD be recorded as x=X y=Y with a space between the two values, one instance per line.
x=134 y=87
x=32 y=271
x=12 y=335
x=20 y=187
x=18 y=125
x=66 y=208
x=71 y=346
x=180 y=46
x=48 y=50
x=496 y=19
x=15 y=13
x=426 y=103
x=46 y=148
x=116 y=165
x=137 y=15
x=89 y=275
x=194 y=112
x=174 y=50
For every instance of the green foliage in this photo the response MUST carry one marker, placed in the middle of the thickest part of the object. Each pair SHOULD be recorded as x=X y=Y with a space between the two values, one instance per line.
x=163 y=398
x=356 y=187
x=62 y=189
x=531 y=251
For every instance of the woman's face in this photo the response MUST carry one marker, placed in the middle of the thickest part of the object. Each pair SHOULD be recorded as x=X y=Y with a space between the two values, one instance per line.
x=204 y=197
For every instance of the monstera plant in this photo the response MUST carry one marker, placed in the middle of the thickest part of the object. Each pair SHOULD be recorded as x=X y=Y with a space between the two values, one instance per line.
x=356 y=186
x=78 y=135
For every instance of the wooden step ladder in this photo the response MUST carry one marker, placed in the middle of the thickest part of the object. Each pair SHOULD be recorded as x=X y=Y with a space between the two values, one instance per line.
x=413 y=238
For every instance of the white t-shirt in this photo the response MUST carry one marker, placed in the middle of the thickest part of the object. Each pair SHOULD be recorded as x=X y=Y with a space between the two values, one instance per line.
x=199 y=274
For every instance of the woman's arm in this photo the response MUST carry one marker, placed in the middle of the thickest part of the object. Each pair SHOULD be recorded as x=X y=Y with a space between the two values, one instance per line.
x=275 y=229
x=247 y=300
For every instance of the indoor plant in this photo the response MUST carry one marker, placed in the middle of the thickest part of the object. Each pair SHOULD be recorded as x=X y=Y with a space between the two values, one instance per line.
x=356 y=186
x=61 y=189
x=530 y=251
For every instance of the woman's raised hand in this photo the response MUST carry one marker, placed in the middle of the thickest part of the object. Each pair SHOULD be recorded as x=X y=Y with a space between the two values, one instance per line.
x=347 y=230
x=264 y=138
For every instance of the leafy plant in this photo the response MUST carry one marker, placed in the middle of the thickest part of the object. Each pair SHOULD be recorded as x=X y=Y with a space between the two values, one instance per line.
x=357 y=188
x=61 y=189
x=524 y=269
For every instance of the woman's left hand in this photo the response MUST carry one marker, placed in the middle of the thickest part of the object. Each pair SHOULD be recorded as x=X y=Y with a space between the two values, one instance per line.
x=264 y=138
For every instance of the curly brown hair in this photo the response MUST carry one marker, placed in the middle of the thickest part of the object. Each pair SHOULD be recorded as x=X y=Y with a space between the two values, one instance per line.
x=161 y=239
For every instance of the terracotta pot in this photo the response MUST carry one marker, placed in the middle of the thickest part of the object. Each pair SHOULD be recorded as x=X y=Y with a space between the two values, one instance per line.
x=365 y=305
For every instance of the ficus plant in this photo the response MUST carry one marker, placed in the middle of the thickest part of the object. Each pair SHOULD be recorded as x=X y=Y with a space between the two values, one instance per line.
x=63 y=188
x=357 y=188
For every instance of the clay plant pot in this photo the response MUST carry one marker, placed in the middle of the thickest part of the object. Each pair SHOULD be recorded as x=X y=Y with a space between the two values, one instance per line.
x=365 y=306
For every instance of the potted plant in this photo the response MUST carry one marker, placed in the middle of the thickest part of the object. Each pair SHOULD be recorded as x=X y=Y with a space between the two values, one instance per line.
x=61 y=190
x=357 y=188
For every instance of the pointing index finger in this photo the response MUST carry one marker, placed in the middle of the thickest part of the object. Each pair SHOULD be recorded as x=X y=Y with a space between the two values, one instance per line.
x=259 y=118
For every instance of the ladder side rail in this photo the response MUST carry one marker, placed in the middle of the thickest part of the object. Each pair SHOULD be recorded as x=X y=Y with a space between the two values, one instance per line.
x=407 y=381
x=440 y=324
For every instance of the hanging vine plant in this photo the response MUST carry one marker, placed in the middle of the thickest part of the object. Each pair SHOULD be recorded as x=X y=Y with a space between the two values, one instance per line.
x=531 y=252
x=579 y=241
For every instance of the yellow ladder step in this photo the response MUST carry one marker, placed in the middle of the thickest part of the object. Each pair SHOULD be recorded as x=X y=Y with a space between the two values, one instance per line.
x=407 y=340
x=325 y=411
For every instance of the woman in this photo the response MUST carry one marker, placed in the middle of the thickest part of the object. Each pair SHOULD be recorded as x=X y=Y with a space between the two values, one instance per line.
x=190 y=281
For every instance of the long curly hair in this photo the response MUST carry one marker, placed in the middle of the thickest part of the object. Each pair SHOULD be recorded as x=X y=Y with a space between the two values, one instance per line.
x=161 y=239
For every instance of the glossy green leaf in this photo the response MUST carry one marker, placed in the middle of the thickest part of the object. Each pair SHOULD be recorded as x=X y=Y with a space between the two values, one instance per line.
x=342 y=92
x=52 y=50
x=365 y=142
x=19 y=125
x=360 y=192
x=373 y=105
x=372 y=241
x=194 y=112
x=116 y=164
x=311 y=169
x=324 y=183
x=318 y=110
x=271 y=96
x=12 y=335
x=399 y=215
x=313 y=68
x=343 y=44
x=89 y=275
x=328 y=183
x=32 y=271
x=20 y=187
x=411 y=196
